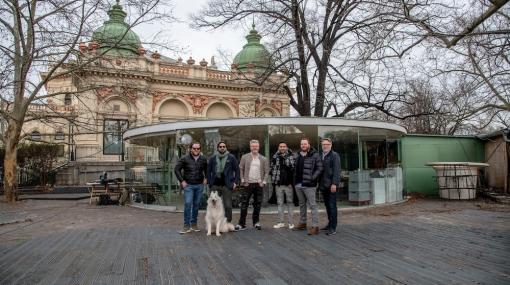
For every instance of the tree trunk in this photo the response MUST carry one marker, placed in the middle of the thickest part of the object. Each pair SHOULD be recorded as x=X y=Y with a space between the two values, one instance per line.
x=10 y=161
x=320 y=95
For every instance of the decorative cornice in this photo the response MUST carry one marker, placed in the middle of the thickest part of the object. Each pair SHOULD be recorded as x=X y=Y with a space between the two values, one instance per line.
x=151 y=78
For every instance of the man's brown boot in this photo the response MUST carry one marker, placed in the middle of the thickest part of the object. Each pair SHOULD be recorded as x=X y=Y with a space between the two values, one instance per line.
x=299 y=227
x=313 y=231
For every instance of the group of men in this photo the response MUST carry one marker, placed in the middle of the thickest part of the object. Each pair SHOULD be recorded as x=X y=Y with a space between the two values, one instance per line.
x=302 y=173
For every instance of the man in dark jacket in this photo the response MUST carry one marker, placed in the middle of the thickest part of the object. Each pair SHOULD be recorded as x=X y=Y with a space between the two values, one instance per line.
x=191 y=173
x=282 y=175
x=308 y=172
x=329 y=183
x=223 y=176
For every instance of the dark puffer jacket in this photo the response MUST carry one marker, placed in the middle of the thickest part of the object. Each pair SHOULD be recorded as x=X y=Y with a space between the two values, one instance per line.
x=194 y=171
x=312 y=168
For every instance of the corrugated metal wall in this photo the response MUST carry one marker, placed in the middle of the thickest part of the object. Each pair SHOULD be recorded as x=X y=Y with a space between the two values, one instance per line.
x=420 y=149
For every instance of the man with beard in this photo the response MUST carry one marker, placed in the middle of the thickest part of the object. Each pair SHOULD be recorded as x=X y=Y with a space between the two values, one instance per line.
x=190 y=170
x=308 y=171
x=223 y=176
x=329 y=183
x=282 y=174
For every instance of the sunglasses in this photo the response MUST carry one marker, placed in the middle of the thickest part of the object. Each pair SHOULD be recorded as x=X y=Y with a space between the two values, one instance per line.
x=222 y=146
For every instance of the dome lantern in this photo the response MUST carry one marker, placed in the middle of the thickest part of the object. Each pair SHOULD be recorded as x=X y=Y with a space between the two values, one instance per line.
x=115 y=37
x=254 y=56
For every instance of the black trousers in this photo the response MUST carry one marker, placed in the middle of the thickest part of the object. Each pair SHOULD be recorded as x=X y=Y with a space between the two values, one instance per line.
x=331 y=210
x=254 y=190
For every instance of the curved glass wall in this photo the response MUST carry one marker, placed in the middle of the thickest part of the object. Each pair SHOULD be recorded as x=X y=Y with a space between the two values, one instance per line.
x=370 y=154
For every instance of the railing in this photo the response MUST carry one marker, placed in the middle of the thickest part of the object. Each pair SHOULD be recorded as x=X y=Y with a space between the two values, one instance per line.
x=218 y=75
x=174 y=70
x=49 y=108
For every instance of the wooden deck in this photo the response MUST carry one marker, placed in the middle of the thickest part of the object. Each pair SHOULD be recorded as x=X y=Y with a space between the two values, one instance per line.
x=453 y=247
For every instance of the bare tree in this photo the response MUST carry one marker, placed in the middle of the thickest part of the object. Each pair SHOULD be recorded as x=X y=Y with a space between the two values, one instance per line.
x=305 y=35
x=478 y=37
x=39 y=36
x=343 y=56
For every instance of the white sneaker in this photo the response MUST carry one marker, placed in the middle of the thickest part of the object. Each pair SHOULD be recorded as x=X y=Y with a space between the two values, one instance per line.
x=279 y=225
x=291 y=226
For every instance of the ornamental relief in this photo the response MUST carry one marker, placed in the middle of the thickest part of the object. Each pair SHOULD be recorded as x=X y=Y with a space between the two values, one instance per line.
x=247 y=110
x=157 y=96
x=197 y=102
x=274 y=104
x=103 y=92
x=233 y=102
x=129 y=93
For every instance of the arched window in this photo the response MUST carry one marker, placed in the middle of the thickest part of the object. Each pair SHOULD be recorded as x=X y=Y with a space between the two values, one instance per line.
x=35 y=136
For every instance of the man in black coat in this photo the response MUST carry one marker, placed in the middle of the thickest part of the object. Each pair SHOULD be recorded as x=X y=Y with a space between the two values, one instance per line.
x=223 y=176
x=330 y=183
x=308 y=172
x=191 y=173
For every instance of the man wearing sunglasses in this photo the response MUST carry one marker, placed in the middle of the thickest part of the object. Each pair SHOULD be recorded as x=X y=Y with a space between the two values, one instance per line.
x=190 y=170
x=223 y=176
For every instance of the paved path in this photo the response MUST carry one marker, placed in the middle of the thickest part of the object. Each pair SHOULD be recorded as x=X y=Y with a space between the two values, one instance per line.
x=425 y=242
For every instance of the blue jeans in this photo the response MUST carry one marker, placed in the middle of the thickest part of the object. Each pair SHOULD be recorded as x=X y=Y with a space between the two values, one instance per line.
x=192 y=196
x=331 y=210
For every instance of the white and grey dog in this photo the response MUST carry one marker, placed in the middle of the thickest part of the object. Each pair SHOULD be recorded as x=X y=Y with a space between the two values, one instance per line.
x=215 y=216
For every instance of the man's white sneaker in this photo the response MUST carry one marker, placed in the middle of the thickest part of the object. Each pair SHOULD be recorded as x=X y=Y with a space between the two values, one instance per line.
x=279 y=225
x=291 y=226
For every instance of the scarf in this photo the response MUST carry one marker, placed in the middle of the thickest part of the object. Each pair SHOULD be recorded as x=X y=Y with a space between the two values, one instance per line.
x=287 y=159
x=221 y=160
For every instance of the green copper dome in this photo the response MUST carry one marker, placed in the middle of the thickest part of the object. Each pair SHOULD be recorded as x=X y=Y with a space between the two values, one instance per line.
x=253 y=53
x=115 y=35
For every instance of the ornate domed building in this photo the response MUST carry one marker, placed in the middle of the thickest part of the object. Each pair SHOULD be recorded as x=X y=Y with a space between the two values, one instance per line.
x=129 y=86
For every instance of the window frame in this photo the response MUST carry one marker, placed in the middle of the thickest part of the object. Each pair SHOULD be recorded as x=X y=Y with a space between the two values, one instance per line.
x=116 y=134
x=59 y=136
x=32 y=136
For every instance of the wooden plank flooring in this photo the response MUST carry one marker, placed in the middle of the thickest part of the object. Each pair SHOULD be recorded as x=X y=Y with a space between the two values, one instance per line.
x=446 y=249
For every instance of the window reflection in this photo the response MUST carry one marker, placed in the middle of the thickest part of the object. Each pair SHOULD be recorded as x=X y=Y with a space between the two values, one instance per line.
x=369 y=157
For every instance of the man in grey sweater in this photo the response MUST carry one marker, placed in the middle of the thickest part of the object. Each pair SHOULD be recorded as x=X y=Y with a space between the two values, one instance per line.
x=254 y=170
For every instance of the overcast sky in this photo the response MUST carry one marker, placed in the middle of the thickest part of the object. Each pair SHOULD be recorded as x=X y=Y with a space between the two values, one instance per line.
x=196 y=43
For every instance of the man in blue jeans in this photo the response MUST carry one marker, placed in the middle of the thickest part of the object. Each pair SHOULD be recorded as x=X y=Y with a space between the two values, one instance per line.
x=329 y=184
x=190 y=170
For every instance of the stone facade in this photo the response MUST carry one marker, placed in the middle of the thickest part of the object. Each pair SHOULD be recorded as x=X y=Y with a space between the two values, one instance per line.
x=125 y=86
